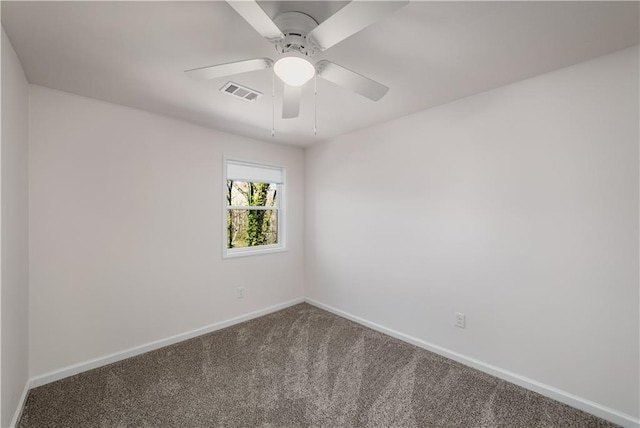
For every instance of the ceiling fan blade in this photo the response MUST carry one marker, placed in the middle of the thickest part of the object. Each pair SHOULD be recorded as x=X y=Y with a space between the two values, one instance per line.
x=221 y=70
x=291 y=101
x=348 y=79
x=251 y=11
x=352 y=18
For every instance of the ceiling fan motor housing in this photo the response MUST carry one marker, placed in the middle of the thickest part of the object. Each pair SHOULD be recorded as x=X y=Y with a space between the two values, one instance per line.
x=295 y=26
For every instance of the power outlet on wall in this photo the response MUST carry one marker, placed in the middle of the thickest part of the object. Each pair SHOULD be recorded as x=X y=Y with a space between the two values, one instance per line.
x=460 y=319
x=240 y=292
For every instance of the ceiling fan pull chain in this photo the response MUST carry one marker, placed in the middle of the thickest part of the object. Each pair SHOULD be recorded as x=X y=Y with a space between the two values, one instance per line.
x=315 y=104
x=273 y=104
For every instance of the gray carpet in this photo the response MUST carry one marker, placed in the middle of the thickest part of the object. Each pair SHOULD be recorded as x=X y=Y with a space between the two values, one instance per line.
x=298 y=367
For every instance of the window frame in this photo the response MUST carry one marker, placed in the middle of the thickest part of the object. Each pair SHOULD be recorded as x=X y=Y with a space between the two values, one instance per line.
x=281 y=189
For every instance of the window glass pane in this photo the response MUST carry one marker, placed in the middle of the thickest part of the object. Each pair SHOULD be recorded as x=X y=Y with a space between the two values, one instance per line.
x=250 y=228
x=242 y=193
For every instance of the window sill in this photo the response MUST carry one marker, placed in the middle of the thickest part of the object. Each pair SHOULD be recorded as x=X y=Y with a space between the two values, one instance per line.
x=252 y=251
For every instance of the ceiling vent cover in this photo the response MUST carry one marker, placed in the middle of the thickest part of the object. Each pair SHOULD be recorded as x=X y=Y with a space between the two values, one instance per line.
x=240 y=91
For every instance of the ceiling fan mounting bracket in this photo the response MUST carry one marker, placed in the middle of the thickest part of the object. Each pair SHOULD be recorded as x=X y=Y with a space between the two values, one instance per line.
x=295 y=26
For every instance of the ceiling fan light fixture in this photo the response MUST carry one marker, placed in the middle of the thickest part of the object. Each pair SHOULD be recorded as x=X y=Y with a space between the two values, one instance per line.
x=294 y=71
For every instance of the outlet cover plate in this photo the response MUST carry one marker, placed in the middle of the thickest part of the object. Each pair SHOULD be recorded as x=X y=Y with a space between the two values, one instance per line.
x=460 y=320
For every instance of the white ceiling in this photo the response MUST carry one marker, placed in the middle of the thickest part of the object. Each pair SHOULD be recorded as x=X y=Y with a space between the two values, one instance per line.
x=428 y=53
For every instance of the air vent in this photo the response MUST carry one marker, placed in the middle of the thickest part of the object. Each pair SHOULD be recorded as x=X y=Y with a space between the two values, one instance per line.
x=240 y=91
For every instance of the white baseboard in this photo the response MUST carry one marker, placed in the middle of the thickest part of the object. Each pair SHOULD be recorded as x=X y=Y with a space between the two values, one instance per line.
x=572 y=400
x=21 y=403
x=132 y=352
x=596 y=409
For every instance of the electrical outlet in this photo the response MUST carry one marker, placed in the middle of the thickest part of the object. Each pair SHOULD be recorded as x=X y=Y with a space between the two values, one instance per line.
x=240 y=292
x=460 y=319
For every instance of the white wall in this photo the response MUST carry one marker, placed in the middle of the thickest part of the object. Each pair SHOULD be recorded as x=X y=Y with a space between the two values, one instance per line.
x=517 y=207
x=126 y=230
x=15 y=235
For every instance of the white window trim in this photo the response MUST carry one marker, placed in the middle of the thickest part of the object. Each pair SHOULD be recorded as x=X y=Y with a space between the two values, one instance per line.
x=281 y=246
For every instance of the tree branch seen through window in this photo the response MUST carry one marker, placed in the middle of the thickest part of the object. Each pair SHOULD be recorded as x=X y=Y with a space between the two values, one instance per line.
x=252 y=214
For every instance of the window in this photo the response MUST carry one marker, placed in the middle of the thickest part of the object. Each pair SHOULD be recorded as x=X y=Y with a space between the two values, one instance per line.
x=254 y=215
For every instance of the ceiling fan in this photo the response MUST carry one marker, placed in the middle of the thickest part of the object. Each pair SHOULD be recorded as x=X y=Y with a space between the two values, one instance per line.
x=297 y=37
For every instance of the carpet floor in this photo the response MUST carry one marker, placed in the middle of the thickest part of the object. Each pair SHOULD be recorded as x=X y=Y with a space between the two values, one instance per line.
x=298 y=367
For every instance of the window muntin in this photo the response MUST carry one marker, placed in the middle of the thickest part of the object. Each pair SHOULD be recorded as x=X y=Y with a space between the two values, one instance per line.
x=253 y=209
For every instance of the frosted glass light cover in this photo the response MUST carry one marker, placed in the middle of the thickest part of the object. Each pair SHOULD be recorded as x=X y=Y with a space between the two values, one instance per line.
x=294 y=71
